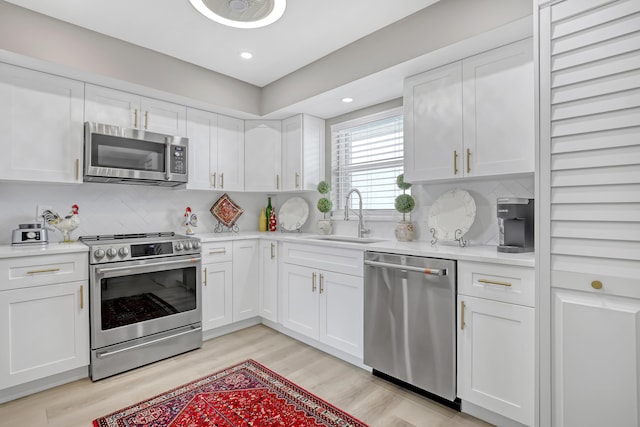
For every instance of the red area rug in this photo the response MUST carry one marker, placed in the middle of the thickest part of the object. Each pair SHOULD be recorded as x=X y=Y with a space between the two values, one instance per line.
x=247 y=394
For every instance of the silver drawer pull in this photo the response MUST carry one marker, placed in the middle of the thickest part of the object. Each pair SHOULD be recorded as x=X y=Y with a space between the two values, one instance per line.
x=49 y=270
x=494 y=282
x=218 y=252
x=427 y=271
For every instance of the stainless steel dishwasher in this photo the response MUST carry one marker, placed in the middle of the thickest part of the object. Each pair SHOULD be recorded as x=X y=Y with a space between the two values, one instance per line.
x=409 y=322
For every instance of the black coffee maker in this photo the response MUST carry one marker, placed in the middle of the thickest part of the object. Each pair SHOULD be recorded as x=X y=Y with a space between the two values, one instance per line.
x=515 y=222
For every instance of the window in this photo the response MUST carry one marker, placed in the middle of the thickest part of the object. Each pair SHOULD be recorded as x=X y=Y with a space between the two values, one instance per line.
x=367 y=154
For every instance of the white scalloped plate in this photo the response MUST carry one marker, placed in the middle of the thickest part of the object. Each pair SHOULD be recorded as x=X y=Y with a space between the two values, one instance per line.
x=452 y=211
x=293 y=213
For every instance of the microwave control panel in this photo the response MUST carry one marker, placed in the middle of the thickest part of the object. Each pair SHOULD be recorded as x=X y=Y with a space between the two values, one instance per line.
x=178 y=159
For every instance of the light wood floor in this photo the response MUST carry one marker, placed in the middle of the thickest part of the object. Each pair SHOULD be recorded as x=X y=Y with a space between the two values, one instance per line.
x=372 y=400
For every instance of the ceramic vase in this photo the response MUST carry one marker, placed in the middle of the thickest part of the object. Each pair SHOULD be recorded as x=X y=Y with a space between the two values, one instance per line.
x=405 y=231
x=324 y=226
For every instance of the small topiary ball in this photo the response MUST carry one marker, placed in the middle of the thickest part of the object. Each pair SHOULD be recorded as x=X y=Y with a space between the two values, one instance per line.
x=405 y=203
x=401 y=184
x=325 y=205
x=324 y=187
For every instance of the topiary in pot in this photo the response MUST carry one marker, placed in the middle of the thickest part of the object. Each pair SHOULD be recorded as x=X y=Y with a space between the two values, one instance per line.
x=324 y=225
x=404 y=204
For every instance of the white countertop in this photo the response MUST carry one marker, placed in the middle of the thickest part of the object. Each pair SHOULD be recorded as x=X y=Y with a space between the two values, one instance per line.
x=480 y=253
x=52 y=248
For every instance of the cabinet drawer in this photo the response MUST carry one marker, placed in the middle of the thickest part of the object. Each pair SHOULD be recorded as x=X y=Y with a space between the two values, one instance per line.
x=43 y=270
x=347 y=261
x=498 y=282
x=217 y=252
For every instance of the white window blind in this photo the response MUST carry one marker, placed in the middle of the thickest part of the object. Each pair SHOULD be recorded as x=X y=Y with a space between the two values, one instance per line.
x=367 y=154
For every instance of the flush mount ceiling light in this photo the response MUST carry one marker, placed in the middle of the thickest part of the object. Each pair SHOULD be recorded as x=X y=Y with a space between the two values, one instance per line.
x=347 y=100
x=241 y=13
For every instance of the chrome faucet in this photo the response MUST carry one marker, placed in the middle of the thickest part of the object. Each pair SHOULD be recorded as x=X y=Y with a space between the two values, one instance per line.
x=361 y=229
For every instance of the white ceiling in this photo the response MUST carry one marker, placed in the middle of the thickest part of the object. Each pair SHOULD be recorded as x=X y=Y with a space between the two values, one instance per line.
x=309 y=30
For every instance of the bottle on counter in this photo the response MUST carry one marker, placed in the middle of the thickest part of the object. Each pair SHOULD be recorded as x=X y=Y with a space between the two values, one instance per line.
x=272 y=221
x=262 y=224
x=268 y=211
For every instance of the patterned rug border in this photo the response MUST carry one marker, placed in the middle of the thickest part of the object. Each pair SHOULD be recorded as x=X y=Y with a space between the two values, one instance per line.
x=335 y=415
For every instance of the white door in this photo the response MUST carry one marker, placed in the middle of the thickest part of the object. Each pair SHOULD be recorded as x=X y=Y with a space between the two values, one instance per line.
x=262 y=164
x=202 y=131
x=596 y=360
x=111 y=107
x=246 y=268
x=499 y=111
x=341 y=311
x=433 y=124
x=163 y=117
x=496 y=357
x=41 y=126
x=299 y=295
x=292 y=153
x=44 y=331
x=269 y=280
x=217 y=294
x=230 y=154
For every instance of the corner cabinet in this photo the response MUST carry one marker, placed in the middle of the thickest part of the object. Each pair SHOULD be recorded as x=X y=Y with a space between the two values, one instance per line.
x=263 y=161
x=118 y=108
x=473 y=117
x=496 y=339
x=41 y=126
x=321 y=297
x=44 y=317
x=302 y=152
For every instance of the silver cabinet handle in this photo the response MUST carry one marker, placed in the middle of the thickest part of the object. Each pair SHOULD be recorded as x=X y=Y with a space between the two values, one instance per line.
x=428 y=271
x=313 y=282
x=321 y=283
x=273 y=253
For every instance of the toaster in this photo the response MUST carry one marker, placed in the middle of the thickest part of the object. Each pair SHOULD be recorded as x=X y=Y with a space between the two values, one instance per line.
x=29 y=234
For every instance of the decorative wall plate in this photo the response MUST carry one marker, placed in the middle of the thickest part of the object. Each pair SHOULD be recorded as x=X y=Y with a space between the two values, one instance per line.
x=226 y=211
x=454 y=210
x=293 y=214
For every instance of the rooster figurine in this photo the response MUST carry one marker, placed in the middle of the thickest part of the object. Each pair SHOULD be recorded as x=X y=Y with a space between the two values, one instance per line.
x=66 y=225
x=190 y=221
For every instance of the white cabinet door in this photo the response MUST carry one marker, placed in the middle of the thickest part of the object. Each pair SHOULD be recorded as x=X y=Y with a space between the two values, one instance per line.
x=230 y=154
x=118 y=108
x=268 y=295
x=41 y=126
x=262 y=164
x=498 y=111
x=202 y=131
x=246 y=259
x=341 y=311
x=433 y=124
x=299 y=293
x=44 y=330
x=217 y=294
x=496 y=357
x=596 y=359
x=302 y=152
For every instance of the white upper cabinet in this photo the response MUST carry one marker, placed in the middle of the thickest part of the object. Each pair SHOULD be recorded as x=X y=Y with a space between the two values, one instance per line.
x=473 y=117
x=114 y=107
x=263 y=161
x=302 y=152
x=216 y=151
x=40 y=126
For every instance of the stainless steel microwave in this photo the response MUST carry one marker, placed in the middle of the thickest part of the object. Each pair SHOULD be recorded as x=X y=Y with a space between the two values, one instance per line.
x=132 y=156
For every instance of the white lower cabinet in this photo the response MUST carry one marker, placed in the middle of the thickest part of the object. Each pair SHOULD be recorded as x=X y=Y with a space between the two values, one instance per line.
x=44 y=323
x=268 y=282
x=217 y=285
x=496 y=339
x=596 y=359
x=246 y=255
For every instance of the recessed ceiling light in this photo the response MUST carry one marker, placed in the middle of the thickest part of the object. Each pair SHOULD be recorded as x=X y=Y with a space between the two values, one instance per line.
x=246 y=55
x=241 y=13
x=347 y=100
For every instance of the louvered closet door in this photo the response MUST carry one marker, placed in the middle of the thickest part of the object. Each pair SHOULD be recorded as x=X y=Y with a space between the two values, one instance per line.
x=590 y=157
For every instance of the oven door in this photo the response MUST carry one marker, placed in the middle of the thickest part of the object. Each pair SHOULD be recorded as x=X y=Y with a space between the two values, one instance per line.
x=138 y=298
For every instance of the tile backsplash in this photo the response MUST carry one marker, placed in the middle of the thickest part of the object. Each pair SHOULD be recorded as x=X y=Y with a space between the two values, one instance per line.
x=114 y=208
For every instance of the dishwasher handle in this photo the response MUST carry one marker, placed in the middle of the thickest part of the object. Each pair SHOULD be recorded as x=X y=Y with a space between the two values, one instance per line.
x=428 y=271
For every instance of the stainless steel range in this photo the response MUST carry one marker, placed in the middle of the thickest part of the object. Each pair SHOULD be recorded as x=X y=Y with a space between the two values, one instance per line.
x=145 y=300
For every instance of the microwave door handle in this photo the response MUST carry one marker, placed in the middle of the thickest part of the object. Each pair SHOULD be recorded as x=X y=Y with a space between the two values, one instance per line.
x=167 y=160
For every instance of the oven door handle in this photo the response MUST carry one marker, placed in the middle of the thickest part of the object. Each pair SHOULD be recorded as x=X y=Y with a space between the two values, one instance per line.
x=428 y=271
x=146 y=265
x=144 y=344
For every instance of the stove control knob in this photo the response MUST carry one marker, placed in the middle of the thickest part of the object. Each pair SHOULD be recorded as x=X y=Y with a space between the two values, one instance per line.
x=187 y=245
x=123 y=252
x=99 y=253
x=196 y=244
x=111 y=252
x=178 y=246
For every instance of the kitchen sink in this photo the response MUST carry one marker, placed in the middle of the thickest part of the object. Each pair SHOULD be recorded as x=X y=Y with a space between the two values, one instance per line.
x=346 y=239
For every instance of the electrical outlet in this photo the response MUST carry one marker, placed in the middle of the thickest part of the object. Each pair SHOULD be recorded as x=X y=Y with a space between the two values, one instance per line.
x=39 y=210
